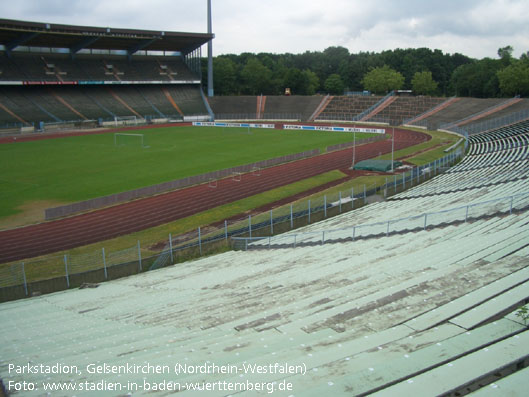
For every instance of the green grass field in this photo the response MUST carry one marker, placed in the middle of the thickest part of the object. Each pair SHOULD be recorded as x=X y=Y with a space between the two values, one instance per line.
x=72 y=169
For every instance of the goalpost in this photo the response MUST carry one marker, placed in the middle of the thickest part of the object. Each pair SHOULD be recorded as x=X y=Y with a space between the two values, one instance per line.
x=122 y=139
x=125 y=120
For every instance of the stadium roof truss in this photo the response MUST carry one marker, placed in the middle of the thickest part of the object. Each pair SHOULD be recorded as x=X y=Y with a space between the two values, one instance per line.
x=76 y=38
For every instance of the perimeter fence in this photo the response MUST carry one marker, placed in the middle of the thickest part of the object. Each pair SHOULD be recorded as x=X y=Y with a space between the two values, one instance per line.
x=55 y=273
x=429 y=220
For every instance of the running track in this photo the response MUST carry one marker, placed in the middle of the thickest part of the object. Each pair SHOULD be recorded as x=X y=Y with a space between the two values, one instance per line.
x=91 y=227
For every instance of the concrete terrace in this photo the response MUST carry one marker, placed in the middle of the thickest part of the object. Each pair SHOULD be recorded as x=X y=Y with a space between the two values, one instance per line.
x=420 y=312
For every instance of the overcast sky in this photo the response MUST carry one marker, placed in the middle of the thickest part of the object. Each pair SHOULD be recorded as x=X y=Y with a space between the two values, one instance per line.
x=476 y=28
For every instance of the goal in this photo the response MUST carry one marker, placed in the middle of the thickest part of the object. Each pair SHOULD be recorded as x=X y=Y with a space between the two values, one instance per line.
x=126 y=139
x=125 y=120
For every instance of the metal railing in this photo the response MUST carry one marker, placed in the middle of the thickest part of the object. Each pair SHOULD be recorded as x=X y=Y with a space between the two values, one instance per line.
x=429 y=220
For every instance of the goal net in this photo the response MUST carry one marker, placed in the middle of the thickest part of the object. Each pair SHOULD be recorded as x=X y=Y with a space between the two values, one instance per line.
x=125 y=139
x=125 y=120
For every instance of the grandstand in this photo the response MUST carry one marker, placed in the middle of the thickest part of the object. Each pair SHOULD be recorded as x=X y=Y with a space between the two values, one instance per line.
x=56 y=73
x=426 y=309
x=270 y=107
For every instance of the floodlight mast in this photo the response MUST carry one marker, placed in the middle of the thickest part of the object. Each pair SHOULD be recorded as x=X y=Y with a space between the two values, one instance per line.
x=210 y=54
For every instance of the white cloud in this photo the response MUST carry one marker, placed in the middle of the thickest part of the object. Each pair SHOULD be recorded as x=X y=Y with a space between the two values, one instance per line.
x=472 y=27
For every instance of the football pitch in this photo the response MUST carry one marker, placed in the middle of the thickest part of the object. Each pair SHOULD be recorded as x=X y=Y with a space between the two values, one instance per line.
x=78 y=168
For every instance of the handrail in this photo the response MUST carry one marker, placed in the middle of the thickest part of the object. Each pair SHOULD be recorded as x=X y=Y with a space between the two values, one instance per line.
x=373 y=107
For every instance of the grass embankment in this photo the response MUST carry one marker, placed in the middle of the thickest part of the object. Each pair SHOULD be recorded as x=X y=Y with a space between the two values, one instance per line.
x=418 y=155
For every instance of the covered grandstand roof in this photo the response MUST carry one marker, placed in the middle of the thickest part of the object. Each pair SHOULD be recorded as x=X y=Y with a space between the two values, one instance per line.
x=15 y=33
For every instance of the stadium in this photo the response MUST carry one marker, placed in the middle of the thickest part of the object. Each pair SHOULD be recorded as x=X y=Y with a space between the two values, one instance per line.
x=251 y=245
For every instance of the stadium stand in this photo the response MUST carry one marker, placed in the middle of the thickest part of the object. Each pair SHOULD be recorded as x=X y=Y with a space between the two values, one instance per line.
x=522 y=104
x=234 y=107
x=346 y=107
x=303 y=106
x=67 y=73
x=459 y=110
x=270 y=107
x=405 y=107
x=423 y=311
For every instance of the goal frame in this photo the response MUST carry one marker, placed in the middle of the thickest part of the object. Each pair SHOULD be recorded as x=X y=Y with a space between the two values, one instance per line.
x=116 y=134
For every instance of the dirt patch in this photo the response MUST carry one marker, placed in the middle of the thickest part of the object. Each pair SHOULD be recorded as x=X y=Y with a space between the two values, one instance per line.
x=32 y=212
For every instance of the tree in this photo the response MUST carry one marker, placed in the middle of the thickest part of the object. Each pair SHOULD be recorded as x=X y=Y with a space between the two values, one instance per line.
x=297 y=81
x=423 y=83
x=505 y=52
x=256 y=77
x=514 y=79
x=334 y=84
x=382 y=80
x=224 y=76
x=314 y=81
x=478 y=79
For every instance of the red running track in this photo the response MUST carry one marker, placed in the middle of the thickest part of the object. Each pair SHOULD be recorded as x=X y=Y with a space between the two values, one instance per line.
x=91 y=227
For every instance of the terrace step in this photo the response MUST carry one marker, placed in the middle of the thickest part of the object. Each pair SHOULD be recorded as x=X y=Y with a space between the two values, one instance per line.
x=470 y=300
x=457 y=374
x=379 y=369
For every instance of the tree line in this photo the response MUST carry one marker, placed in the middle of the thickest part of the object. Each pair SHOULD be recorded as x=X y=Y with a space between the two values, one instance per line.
x=335 y=71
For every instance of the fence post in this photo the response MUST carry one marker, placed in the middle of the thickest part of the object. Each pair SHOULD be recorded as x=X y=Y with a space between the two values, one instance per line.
x=395 y=184
x=309 y=211
x=271 y=222
x=291 y=217
x=66 y=270
x=365 y=197
x=354 y=231
x=295 y=236
x=25 y=281
x=425 y=219
x=226 y=230
x=104 y=262
x=340 y=198
x=199 y=241
x=466 y=214
x=171 y=247
x=139 y=255
x=250 y=225
x=352 y=198
x=323 y=237
x=387 y=230
x=325 y=206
